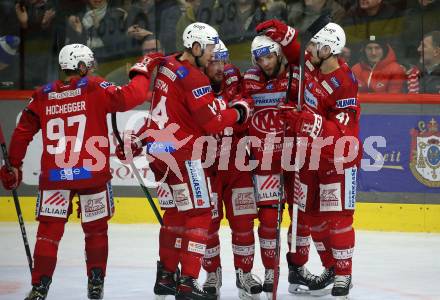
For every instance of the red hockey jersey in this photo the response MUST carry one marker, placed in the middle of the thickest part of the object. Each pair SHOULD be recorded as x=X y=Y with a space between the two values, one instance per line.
x=267 y=96
x=72 y=118
x=184 y=106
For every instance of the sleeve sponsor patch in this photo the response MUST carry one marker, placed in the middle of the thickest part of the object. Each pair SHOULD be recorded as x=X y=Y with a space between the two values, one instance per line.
x=252 y=77
x=168 y=73
x=182 y=72
x=335 y=82
x=201 y=91
x=343 y=103
x=105 y=84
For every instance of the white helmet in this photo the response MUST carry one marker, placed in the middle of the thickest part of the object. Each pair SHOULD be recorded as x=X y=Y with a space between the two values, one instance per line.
x=331 y=35
x=201 y=33
x=72 y=55
x=221 y=52
x=262 y=45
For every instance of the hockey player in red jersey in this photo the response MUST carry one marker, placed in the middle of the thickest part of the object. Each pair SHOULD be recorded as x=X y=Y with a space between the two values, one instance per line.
x=230 y=187
x=75 y=161
x=325 y=188
x=183 y=111
x=266 y=83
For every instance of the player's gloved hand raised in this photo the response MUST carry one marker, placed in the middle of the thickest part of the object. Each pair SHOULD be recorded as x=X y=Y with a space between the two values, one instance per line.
x=11 y=179
x=132 y=147
x=304 y=123
x=277 y=31
x=244 y=107
x=146 y=65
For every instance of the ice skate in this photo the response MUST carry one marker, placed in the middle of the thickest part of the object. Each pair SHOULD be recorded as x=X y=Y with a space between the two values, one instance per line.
x=268 y=283
x=95 y=285
x=319 y=286
x=299 y=279
x=39 y=291
x=213 y=282
x=165 y=282
x=342 y=287
x=248 y=285
x=188 y=288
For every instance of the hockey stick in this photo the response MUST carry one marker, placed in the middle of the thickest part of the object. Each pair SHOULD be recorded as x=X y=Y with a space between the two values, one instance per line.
x=313 y=29
x=16 y=202
x=136 y=173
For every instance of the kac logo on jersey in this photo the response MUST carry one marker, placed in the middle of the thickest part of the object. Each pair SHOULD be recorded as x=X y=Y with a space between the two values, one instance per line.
x=343 y=103
x=201 y=91
x=182 y=72
x=69 y=174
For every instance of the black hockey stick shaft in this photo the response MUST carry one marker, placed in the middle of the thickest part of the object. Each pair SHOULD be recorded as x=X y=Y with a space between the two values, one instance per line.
x=16 y=202
x=313 y=29
x=136 y=172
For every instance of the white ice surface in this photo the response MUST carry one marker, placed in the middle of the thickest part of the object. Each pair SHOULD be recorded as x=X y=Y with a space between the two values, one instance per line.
x=386 y=265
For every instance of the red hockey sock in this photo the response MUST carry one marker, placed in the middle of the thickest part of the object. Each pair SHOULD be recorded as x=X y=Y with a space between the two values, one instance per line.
x=342 y=240
x=301 y=256
x=46 y=248
x=211 y=260
x=243 y=243
x=321 y=237
x=170 y=239
x=96 y=245
x=267 y=234
x=194 y=243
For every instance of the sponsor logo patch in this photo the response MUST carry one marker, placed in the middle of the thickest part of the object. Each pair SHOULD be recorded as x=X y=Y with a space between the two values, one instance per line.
x=268 y=99
x=165 y=196
x=69 y=174
x=168 y=73
x=268 y=187
x=65 y=94
x=251 y=77
x=160 y=147
x=243 y=201
x=261 y=52
x=198 y=183
x=201 y=91
x=181 y=197
x=55 y=203
x=310 y=99
x=330 y=197
x=105 y=84
x=343 y=103
x=94 y=207
x=350 y=188
x=161 y=85
x=335 y=82
x=196 y=247
x=182 y=72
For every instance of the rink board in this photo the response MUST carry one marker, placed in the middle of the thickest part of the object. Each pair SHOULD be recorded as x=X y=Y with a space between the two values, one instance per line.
x=368 y=216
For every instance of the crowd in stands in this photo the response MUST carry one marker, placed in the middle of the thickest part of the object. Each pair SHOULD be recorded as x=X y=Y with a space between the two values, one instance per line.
x=392 y=45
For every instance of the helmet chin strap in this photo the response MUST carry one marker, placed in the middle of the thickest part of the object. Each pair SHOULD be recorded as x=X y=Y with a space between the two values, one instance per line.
x=197 y=58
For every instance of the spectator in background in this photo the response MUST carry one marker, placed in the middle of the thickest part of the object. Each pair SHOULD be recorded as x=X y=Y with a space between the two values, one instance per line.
x=346 y=55
x=36 y=19
x=9 y=74
x=301 y=14
x=428 y=79
x=149 y=45
x=167 y=13
x=421 y=17
x=188 y=17
x=371 y=17
x=101 y=27
x=378 y=70
x=140 y=19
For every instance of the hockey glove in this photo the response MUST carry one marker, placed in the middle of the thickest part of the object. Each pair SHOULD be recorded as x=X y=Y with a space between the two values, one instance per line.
x=146 y=65
x=132 y=147
x=277 y=31
x=304 y=123
x=244 y=108
x=10 y=179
